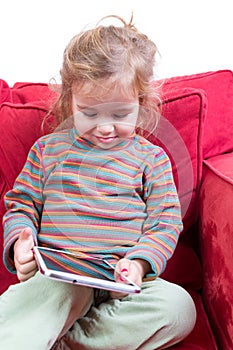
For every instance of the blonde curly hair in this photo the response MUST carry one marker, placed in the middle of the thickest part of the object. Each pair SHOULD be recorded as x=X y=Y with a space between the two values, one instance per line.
x=110 y=56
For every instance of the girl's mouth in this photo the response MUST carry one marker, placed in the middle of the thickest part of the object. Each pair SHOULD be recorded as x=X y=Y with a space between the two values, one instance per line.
x=106 y=139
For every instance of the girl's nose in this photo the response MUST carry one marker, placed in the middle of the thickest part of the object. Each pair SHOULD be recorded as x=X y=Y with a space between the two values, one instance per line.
x=105 y=128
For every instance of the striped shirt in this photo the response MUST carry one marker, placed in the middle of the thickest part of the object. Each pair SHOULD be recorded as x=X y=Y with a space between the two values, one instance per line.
x=112 y=203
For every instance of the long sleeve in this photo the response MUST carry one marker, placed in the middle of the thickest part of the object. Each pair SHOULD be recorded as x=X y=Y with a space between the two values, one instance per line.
x=117 y=203
x=163 y=223
x=23 y=203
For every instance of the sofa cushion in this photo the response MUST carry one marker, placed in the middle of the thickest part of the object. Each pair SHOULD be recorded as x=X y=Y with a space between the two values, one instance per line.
x=20 y=126
x=218 y=86
x=180 y=133
x=30 y=92
x=5 y=92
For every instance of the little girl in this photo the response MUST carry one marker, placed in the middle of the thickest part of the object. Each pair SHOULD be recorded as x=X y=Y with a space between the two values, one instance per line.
x=97 y=187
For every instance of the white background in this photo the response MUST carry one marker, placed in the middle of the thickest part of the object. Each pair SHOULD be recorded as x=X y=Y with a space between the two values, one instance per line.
x=192 y=36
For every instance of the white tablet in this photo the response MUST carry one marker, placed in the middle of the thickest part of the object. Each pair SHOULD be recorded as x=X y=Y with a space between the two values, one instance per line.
x=49 y=271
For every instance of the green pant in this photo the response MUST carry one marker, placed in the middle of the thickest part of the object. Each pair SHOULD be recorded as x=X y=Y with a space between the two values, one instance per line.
x=41 y=314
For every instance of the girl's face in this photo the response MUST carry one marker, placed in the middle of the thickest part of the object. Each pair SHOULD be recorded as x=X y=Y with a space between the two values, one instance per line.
x=107 y=121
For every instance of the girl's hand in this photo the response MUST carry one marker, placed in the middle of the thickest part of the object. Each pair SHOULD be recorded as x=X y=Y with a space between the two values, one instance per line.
x=24 y=260
x=135 y=270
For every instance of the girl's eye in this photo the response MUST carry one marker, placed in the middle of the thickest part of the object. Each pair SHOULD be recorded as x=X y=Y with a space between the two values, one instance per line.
x=90 y=114
x=123 y=115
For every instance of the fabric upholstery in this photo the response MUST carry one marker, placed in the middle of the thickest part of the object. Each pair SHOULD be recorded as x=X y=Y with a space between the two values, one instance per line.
x=184 y=110
x=30 y=92
x=5 y=93
x=218 y=87
x=216 y=244
x=20 y=126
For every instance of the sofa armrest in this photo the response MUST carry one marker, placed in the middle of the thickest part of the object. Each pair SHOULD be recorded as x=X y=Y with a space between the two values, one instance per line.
x=216 y=245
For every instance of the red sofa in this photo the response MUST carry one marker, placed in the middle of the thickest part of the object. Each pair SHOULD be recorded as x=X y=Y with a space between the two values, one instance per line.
x=197 y=132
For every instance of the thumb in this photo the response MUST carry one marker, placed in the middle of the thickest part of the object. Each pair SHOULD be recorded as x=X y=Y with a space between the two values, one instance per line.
x=26 y=235
x=25 y=241
x=122 y=269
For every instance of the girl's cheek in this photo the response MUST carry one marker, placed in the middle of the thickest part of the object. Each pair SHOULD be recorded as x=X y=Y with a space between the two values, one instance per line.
x=127 y=131
x=82 y=125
